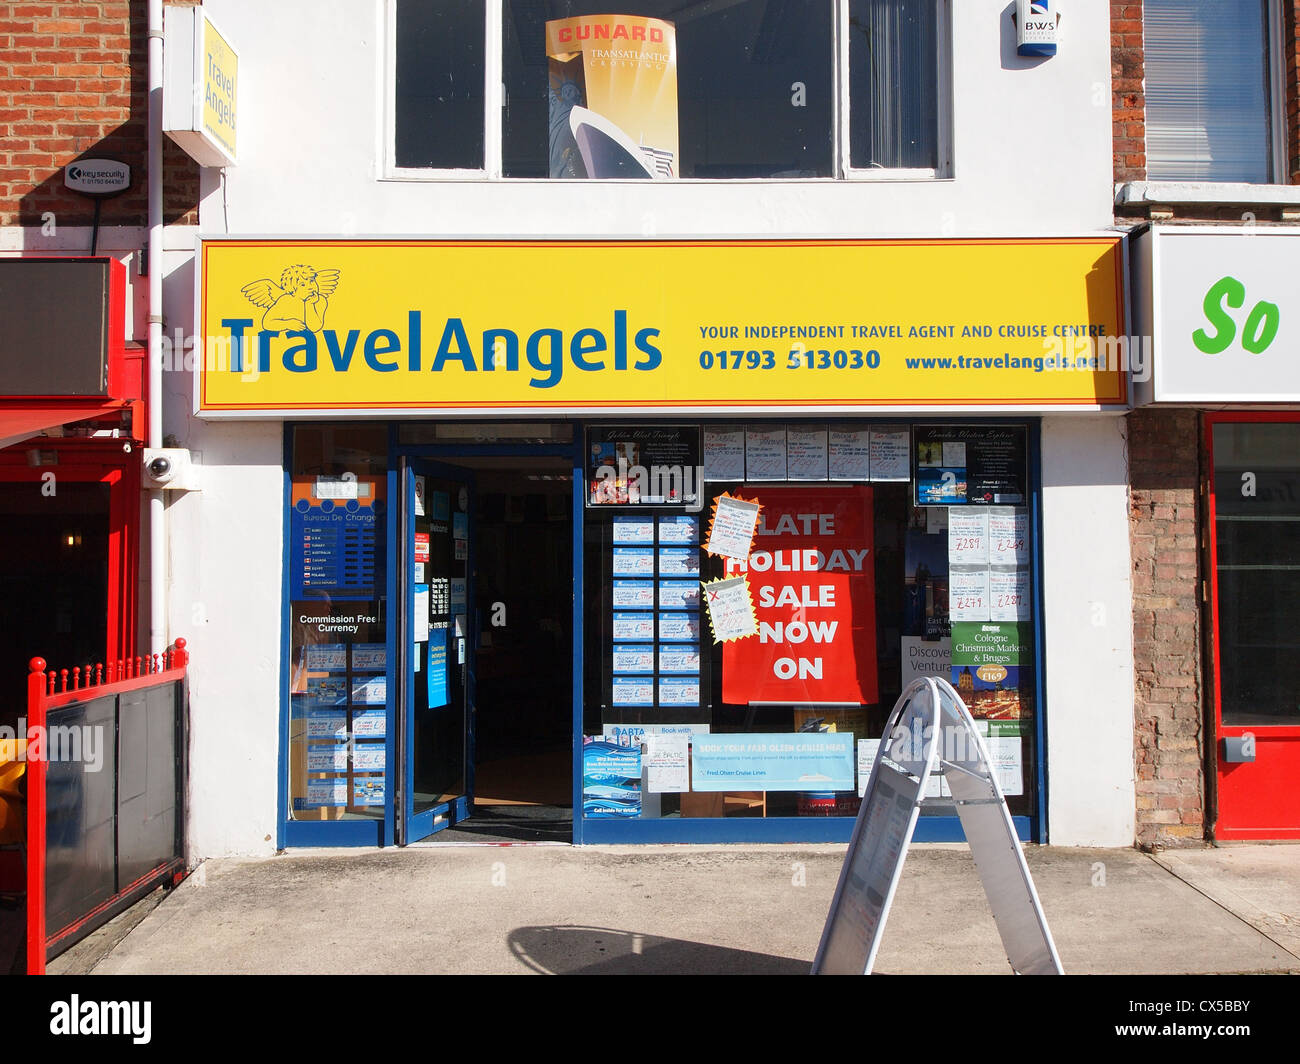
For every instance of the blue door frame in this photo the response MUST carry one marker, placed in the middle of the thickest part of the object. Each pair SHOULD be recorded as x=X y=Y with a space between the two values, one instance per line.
x=690 y=830
x=449 y=453
x=412 y=827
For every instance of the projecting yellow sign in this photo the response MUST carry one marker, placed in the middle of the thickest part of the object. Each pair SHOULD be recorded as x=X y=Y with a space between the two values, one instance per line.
x=220 y=88
x=300 y=326
x=201 y=97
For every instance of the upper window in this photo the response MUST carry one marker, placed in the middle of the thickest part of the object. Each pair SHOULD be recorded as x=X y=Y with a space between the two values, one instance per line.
x=656 y=89
x=1209 y=90
x=439 y=85
x=894 y=80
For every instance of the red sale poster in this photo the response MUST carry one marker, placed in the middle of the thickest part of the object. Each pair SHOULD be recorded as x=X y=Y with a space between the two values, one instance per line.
x=812 y=574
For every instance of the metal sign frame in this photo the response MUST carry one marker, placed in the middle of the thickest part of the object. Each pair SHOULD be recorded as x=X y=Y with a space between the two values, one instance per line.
x=931 y=730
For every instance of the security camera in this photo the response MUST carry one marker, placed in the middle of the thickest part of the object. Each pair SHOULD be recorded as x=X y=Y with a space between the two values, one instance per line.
x=169 y=467
x=161 y=469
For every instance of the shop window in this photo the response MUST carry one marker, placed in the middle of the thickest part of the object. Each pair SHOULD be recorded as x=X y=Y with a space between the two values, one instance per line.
x=1257 y=569
x=1210 y=97
x=881 y=553
x=337 y=668
x=656 y=89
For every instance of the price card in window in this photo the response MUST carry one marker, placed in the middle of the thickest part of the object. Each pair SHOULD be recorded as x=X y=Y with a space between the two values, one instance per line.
x=635 y=594
x=634 y=626
x=889 y=453
x=678 y=658
x=327 y=724
x=1008 y=594
x=679 y=627
x=968 y=537
x=765 y=454
x=634 y=561
x=731 y=608
x=679 y=595
x=331 y=791
x=866 y=758
x=327 y=757
x=667 y=762
x=679 y=690
x=629 y=529
x=633 y=658
x=724 y=453
x=633 y=691
x=1008 y=536
x=849 y=452
x=806 y=454
x=679 y=561
x=732 y=527
x=968 y=594
x=679 y=528
x=1004 y=752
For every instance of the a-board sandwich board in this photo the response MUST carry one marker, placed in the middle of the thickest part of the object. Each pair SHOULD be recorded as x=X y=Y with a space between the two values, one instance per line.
x=930 y=730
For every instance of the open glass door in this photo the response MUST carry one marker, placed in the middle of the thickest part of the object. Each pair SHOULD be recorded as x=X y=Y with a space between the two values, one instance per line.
x=436 y=704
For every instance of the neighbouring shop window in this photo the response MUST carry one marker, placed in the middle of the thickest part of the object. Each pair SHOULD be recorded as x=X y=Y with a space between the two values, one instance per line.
x=1207 y=90
x=655 y=89
x=1257 y=569
x=438 y=93
x=337 y=670
x=879 y=553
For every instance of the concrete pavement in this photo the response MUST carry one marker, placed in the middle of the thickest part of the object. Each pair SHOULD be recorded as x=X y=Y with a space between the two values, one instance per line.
x=456 y=909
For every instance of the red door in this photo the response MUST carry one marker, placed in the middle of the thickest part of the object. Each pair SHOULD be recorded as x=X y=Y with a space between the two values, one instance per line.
x=1255 y=612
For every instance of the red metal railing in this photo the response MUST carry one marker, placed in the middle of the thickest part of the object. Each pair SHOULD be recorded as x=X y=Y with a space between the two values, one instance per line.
x=52 y=689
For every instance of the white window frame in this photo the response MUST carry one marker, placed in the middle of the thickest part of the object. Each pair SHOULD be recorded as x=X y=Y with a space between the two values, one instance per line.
x=1277 y=93
x=494 y=104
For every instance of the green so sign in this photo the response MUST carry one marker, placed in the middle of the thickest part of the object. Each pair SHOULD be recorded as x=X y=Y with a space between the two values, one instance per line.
x=1257 y=333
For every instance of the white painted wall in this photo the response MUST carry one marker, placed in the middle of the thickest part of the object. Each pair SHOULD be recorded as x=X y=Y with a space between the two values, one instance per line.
x=224 y=569
x=1088 y=620
x=224 y=580
x=1032 y=153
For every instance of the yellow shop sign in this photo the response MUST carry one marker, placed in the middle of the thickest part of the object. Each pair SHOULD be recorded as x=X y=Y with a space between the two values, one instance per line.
x=396 y=326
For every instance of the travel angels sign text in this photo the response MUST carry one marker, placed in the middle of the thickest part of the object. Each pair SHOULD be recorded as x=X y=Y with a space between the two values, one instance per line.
x=391 y=325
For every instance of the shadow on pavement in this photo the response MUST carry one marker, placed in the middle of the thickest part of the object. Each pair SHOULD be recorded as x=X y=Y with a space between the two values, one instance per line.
x=574 y=950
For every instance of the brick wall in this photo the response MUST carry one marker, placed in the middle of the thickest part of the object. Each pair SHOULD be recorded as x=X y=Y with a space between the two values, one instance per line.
x=1164 y=448
x=1127 y=101
x=73 y=82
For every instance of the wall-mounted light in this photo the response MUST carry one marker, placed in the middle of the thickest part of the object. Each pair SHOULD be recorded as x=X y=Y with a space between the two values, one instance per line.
x=70 y=540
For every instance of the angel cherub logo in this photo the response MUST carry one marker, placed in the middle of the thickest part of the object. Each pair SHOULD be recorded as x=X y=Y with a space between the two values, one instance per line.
x=298 y=302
